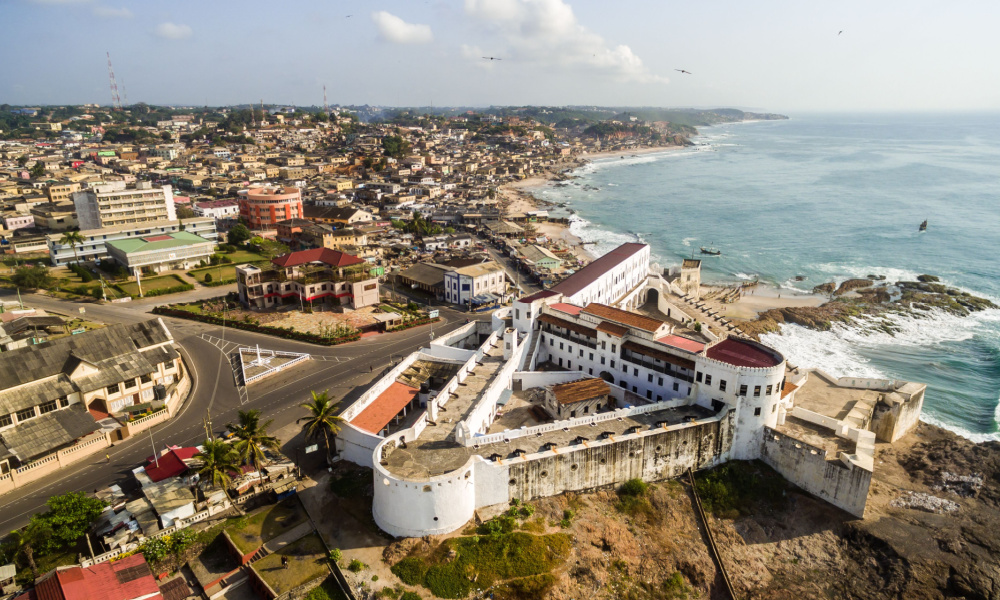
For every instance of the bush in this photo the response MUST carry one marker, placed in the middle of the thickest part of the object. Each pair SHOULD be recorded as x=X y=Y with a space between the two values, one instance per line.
x=633 y=487
x=410 y=596
x=737 y=485
x=208 y=278
x=356 y=566
x=34 y=277
x=335 y=555
x=411 y=570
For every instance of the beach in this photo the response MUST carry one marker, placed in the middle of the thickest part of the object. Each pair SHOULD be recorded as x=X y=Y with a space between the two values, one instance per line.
x=757 y=299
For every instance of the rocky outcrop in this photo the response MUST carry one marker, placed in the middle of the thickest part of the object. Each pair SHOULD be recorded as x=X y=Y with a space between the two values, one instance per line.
x=851 y=285
x=825 y=288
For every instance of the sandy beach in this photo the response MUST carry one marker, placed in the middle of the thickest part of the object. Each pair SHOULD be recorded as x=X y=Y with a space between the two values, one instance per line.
x=759 y=299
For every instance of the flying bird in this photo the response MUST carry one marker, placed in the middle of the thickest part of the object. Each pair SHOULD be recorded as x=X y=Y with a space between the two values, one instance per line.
x=491 y=58
x=840 y=32
x=348 y=16
x=682 y=71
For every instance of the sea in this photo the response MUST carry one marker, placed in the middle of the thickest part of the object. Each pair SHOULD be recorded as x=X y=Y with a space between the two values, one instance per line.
x=828 y=197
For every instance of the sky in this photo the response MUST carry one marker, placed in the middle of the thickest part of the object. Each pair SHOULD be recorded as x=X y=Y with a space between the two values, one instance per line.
x=781 y=56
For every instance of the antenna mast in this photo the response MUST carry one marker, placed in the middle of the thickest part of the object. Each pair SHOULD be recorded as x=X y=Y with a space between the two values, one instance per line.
x=253 y=116
x=116 y=102
x=326 y=107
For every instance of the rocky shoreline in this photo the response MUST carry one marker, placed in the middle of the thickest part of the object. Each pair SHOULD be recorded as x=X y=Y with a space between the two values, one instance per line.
x=872 y=300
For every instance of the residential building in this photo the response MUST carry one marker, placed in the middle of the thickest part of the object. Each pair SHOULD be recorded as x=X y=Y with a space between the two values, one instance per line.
x=61 y=192
x=263 y=206
x=52 y=394
x=94 y=246
x=540 y=257
x=313 y=275
x=125 y=579
x=111 y=206
x=161 y=252
x=18 y=221
x=218 y=209
x=55 y=217
x=337 y=215
x=481 y=283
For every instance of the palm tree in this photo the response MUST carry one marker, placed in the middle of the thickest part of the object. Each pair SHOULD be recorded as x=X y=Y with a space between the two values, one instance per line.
x=323 y=418
x=28 y=538
x=219 y=461
x=74 y=239
x=253 y=438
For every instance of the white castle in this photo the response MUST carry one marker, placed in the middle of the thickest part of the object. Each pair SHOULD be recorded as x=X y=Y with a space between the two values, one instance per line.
x=570 y=390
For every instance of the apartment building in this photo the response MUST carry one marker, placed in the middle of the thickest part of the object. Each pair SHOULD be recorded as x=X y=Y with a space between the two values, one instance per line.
x=308 y=276
x=111 y=206
x=263 y=206
x=475 y=284
x=94 y=246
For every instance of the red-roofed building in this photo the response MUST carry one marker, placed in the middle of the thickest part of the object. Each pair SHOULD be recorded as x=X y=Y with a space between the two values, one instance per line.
x=169 y=464
x=317 y=275
x=392 y=402
x=744 y=353
x=683 y=343
x=125 y=579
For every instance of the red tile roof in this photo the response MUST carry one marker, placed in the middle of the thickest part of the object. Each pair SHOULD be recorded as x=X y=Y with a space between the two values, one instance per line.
x=571 y=309
x=580 y=390
x=683 y=343
x=612 y=329
x=788 y=389
x=624 y=317
x=741 y=353
x=385 y=407
x=589 y=274
x=334 y=258
x=171 y=464
x=125 y=579
x=537 y=296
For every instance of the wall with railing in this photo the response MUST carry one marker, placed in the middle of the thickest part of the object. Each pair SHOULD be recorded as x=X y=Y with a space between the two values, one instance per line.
x=296 y=357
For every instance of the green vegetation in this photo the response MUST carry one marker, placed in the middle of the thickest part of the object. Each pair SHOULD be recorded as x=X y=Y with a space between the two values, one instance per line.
x=356 y=566
x=483 y=561
x=328 y=590
x=410 y=596
x=323 y=419
x=155 y=286
x=306 y=562
x=219 y=462
x=252 y=437
x=155 y=550
x=633 y=499
x=239 y=234
x=526 y=588
x=221 y=275
x=335 y=555
x=54 y=534
x=251 y=531
x=33 y=277
x=395 y=146
x=737 y=486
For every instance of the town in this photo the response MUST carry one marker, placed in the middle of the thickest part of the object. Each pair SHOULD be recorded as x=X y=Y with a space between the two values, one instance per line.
x=245 y=349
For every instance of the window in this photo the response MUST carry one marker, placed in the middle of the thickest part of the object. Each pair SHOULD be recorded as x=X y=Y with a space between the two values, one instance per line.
x=635 y=390
x=612 y=347
x=581 y=356
x=24 y=415
x=517 y=314
x=113 y=389
x=6 y=420
x=659 y=398
x=604 y=345
x=560 y=345
x=708 y=379
x=756 y=391
x=624 y=368
x=572 y=414
x=569 y=364
x=602 y=360
x=774 y=408
x=635 y=372
x=622 y=383
x=590 y=371
x=677 y=387
x=743 y=390
x=649 y=378
x=756 y=412
x=591 y=356
x=722 y=385
x=586 y=409
x=63 y=402
x=697 y=377
x=612 y=364
x=768 y=392
x=552 y=342
x=47 y=407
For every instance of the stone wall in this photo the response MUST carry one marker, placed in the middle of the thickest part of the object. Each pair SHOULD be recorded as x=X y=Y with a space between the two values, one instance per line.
x=844 y=486
x=897 y=413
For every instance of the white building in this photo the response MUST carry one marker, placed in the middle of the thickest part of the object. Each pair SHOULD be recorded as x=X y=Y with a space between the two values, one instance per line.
x=218 y=209
x=111 y=206
x=463 y=284
x=94 y=246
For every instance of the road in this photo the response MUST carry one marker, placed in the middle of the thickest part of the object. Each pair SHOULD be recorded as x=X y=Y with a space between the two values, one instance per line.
x=527 y=288
x=338 y=369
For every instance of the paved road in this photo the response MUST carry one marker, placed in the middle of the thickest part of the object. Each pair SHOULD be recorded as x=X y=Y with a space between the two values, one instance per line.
x=338 y=369
x=508 y=264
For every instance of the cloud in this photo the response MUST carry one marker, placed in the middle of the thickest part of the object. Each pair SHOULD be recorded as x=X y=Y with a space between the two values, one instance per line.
x=547 y=33
x=393 y=29
x=172 y=31
x=108 y=12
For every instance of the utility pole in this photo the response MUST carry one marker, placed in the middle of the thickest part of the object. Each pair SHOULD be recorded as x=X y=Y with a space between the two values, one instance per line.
x=138 y=280
x=156 y=456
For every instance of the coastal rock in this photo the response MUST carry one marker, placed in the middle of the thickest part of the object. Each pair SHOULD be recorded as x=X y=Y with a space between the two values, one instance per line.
x=825 y=288
x=928 y=278
x=852 y=284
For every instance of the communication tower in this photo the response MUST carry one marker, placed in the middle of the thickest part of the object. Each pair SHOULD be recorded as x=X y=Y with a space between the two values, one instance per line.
x=116 y=102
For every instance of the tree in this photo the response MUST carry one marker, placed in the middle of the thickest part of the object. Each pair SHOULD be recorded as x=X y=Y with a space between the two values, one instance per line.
x=219 y=462
x=22 y=160
x=322 y=419
x=30 y=539
x=35 y=277
x=71 y=514
x=73 y=238
x=185 y=212
x=239 y=234
x=395 y=146
x=37 y=170
x=252 y=437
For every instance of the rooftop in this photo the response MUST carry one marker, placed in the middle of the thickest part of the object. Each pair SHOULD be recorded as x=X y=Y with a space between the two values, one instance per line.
x=823 y=396
x=580 y=390
x=624 y=317
x=683 y=343
x=589 y=274
x=744 y=353
x=383 y=409
x=156 y=242
x=570 y=309
x=334 y=258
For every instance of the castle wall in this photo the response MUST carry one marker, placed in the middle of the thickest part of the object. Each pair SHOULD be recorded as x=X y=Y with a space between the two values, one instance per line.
x=894 y=419
x=650 y=455
x=843 y=485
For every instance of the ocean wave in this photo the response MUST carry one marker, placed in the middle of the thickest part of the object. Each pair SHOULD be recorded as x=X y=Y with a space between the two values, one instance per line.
x=745 y=276
x=603 y=240
x=958 y=430
x=687 y=241
x=826 y=350
x=842 y=273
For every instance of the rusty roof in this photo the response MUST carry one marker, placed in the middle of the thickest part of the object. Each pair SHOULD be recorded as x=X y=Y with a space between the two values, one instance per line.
x=570 y=325
x=385 y=408
x=659 y=354
x=744 y=353
x=624 y=317
x=611 y=328
x=580 y=390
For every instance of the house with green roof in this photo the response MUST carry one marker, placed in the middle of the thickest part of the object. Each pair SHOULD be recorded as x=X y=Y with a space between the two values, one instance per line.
x=161 y=252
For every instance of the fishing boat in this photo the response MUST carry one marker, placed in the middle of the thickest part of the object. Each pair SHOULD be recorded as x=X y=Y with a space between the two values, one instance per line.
x=711 y=251
x=923 y=226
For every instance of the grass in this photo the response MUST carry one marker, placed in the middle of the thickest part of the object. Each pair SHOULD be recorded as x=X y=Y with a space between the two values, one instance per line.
x=633 y=500
x=306 y=561
x=328 y=590
x=738 y=486
x=483 y=561
x=219 y=273
x=241 y=257
x=153 y=283
x=251 y=531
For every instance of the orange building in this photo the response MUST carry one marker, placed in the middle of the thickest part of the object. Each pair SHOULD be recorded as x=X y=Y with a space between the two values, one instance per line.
x=263 y=206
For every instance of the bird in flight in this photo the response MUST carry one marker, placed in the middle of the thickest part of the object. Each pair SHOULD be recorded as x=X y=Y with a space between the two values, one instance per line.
x=491 y=58
x=840 y=32
x=348 y=16
x=682 y=71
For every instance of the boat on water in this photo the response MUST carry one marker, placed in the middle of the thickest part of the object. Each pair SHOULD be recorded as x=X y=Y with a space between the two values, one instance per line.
x=711 y=251
x=923 y=226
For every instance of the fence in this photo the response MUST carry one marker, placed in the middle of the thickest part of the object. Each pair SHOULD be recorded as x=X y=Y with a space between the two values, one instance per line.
x=299 y=357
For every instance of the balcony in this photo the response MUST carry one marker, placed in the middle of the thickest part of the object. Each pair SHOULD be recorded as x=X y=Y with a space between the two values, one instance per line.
x=664 y=369
x=548 y=330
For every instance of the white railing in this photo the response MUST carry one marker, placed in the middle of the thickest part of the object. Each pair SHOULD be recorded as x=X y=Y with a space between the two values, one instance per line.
x=299 y=357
